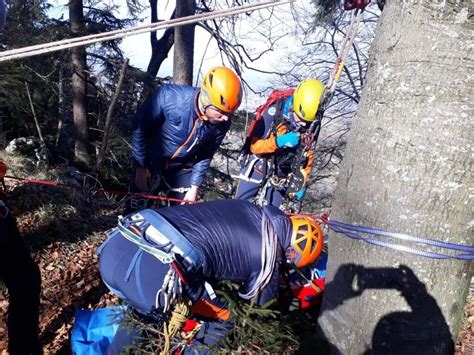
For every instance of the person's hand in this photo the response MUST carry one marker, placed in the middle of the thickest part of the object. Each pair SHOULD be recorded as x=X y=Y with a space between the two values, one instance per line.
x=192 y=193
x=288 y=140
x=142 y=178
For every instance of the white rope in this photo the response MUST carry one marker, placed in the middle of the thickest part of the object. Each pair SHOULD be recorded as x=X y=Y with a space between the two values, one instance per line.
x=107 y=36
x=344 y=51
x=268 y=258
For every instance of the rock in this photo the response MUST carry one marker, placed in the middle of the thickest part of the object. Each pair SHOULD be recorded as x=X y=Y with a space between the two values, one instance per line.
x=32 y=148
x=225 y=159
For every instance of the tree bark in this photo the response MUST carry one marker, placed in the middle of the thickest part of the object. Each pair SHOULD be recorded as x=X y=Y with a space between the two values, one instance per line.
x=407 y=169
x=110 y=113
x=79 y=85
x=184 y=45
x=61 y=111
x=159 y=49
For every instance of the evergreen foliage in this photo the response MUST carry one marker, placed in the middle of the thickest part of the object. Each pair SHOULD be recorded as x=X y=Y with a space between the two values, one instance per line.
x=48 y=78
x=325 y=11
x=257 y=328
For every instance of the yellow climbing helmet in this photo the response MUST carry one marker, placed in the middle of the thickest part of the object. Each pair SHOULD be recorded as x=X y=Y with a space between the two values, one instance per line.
x=306 y=99
x=306 y=241
x=221 y=88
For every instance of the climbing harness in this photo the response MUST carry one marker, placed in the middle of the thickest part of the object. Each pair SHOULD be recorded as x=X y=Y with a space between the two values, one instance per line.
x=271 y=182
x=166 y=244
x=247 y=160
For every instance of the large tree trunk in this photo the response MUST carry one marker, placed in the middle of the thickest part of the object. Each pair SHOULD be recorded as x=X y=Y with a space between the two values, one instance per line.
x=79 y=85
x=408 y=169
x=184 y=45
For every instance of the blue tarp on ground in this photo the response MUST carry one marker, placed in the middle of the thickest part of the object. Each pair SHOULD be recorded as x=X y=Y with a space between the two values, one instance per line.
x=93 y=331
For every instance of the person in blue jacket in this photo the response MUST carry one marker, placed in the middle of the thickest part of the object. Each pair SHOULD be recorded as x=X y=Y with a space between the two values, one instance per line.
x=212 y=241
x=273 y=145
x=177 y=131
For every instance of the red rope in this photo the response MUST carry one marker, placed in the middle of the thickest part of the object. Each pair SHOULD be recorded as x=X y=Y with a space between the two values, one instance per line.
x=323 y=218
x=58 y=184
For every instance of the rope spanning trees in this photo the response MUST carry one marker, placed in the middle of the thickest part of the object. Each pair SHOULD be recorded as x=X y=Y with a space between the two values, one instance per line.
x=107 y=36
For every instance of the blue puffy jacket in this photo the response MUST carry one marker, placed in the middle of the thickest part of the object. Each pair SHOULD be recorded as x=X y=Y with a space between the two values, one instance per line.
x=167 y=129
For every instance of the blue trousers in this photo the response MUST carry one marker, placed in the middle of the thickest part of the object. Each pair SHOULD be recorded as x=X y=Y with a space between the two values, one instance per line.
x=132 y=274
x=248 y=190
x=136 y=276
x=252 y=179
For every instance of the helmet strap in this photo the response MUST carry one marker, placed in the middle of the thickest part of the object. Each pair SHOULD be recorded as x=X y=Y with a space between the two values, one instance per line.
x=200 y=108
x=297 y=127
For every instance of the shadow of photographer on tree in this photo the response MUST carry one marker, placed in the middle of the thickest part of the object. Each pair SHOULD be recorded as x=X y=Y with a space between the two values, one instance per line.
x=422 y=330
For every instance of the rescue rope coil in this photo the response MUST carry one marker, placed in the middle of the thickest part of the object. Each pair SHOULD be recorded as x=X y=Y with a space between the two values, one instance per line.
x=268 y=259
x=179 y=315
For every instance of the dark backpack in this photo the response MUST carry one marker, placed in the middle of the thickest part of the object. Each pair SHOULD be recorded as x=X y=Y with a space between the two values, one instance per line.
x=275 y=96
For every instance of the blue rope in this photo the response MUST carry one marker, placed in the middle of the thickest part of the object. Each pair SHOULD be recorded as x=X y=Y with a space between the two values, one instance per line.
x=346 y=229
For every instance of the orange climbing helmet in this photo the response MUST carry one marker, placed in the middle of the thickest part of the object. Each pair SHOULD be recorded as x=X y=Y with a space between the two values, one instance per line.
x=221 y=88
x=306 y=241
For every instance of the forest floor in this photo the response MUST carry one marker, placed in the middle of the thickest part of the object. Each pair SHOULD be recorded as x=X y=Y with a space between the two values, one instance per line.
x=63 y=229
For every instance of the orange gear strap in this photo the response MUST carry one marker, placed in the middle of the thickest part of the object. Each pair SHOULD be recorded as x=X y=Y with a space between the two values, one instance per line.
x=207 y=309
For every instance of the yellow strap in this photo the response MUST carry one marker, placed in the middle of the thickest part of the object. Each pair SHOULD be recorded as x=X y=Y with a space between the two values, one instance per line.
x=191 y=334
x=303 y=276
x=339 y=71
